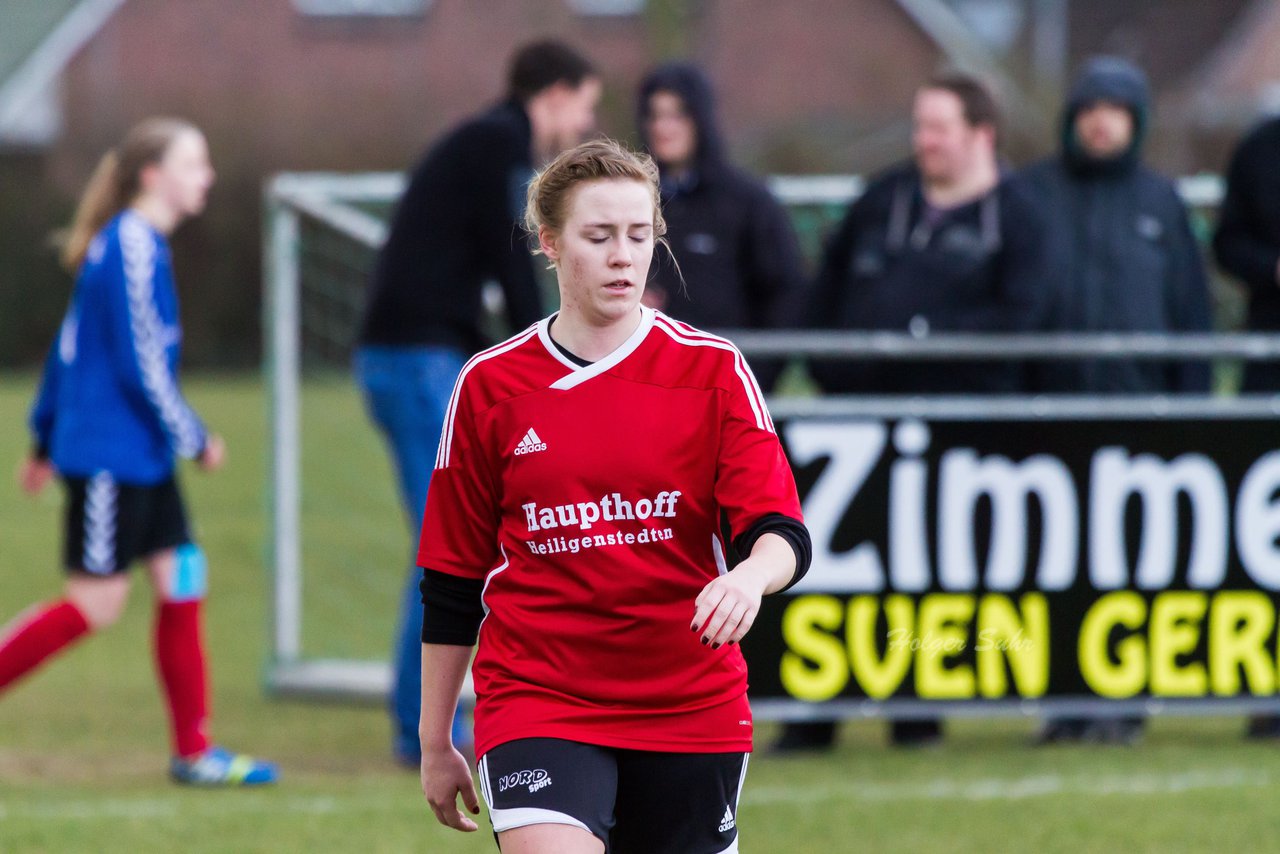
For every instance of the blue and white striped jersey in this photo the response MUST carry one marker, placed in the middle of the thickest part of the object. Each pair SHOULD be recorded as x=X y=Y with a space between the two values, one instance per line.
x=109 y=398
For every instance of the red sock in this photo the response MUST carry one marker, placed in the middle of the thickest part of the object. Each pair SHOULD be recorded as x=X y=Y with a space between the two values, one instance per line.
x=38 y=635
x=179 y=652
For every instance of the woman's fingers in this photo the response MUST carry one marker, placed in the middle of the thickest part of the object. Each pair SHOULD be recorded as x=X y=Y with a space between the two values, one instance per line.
x=724 y=614
x=445 y=775
x=447 y=812
x=705 y=606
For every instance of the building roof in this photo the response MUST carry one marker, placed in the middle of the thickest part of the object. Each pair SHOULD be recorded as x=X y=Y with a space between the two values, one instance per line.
x=27 y=23
x=38 y=39
x=1241 y=78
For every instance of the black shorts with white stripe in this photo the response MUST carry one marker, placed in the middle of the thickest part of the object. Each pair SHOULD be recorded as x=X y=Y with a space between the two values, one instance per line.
x=109 y=524
x=635 y=801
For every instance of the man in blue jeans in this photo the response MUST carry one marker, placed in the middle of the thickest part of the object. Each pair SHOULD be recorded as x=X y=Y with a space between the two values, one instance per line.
x=456 y=228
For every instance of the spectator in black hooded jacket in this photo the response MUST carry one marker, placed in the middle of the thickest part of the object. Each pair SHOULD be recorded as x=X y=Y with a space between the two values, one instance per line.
x=1119 y=243
x=733 y=241
x=1123 y=259
x=1247 y=242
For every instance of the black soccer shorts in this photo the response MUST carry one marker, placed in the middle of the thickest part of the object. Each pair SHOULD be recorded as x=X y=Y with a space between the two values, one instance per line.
x=635 y=801
x=109 y=525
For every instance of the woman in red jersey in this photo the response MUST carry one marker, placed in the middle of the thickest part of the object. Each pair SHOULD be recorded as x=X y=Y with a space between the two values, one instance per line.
x=573 y=531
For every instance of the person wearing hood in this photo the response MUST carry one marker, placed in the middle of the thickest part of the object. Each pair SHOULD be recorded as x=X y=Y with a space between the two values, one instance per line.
x=735 y=260
x=1120 y=244
x=1123 y=259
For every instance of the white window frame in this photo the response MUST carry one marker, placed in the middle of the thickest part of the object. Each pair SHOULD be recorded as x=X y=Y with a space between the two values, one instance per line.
x=607 y=8
x=362 y=8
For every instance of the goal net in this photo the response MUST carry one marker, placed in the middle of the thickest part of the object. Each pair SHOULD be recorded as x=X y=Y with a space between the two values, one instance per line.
x=339 y=542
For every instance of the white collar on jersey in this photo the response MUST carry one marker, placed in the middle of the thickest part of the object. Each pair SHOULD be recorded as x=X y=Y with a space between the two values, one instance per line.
x=579 y=374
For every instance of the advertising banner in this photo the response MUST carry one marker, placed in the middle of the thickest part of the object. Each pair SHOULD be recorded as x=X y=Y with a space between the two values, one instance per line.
x=1020 y=564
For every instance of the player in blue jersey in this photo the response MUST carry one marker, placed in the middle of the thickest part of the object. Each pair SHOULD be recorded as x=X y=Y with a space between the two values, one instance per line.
x=110 y=420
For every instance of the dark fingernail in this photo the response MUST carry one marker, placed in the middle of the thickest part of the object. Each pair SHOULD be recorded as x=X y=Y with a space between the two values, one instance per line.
x=715 y=646
x=705 y=641
x=731 y=643
x=694 y=627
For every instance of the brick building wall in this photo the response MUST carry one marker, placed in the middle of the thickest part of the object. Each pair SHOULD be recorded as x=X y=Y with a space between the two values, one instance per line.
x=808 y=85
x=279 y=90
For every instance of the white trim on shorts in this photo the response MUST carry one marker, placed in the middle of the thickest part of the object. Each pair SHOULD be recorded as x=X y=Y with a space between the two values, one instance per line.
x=98 y=547
x=742 y=779
x=504 y=820
x=511 y=819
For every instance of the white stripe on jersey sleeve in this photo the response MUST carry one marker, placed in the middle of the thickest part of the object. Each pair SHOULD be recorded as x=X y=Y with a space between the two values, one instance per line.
x=754 y=392
x=445 y=449
x=139 y=249
x=694 y=338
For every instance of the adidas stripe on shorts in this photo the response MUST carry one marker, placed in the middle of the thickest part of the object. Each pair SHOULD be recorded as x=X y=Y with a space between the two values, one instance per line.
x=109 y=524
x=636 y=801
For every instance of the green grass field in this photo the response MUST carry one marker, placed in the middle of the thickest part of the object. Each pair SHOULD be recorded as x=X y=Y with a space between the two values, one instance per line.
x=83 y=744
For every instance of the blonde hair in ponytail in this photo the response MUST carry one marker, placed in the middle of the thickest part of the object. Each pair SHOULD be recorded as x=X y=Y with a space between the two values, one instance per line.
x=116 y=182
x=98 y=203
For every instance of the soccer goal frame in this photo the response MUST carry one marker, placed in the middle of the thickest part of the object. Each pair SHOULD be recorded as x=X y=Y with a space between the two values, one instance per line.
x=339 y=202
x=330 y=199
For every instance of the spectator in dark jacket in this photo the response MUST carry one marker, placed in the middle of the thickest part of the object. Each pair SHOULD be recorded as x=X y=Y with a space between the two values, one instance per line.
x=454 y=229
x=1247 y=242
x=733 y=241
x=1123 y=258
x=1119 y=243
x=938 y=244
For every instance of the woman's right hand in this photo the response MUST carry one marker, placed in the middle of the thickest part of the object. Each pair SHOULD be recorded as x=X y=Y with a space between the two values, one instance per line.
x=445 y=775
x=34 y=475
x=214 y=453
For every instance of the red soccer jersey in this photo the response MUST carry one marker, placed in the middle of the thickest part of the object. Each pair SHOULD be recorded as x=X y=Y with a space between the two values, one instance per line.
x=589 y=500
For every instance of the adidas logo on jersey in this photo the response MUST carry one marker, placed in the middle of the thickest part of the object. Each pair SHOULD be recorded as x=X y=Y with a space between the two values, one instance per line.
x=530 y=444
x=727 y=823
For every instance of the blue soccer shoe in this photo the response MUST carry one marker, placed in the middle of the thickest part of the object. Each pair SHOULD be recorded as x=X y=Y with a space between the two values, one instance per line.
x=218 y=766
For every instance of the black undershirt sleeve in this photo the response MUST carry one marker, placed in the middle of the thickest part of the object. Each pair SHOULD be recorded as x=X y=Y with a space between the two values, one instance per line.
x=791 y=530
x=451 y=608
